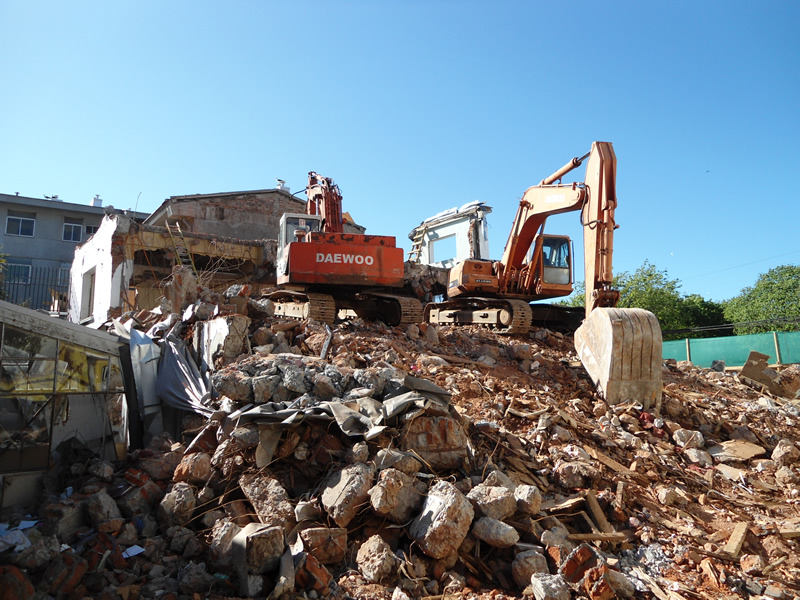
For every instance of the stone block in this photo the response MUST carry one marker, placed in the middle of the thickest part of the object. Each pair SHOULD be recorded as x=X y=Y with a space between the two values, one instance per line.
x=496 y=502
x=396 y=496
x=346 y=491
x=440 y=441
x=444 y=521
x=327 y=544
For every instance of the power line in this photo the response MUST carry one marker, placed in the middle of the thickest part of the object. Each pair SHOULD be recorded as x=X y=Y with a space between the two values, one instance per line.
x=742 y=265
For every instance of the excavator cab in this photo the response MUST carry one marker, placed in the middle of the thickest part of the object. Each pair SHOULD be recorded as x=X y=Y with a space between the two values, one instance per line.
x=557 y=261
x=294 y=228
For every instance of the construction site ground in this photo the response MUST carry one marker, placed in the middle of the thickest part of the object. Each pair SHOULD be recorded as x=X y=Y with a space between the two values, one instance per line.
x=697 y=497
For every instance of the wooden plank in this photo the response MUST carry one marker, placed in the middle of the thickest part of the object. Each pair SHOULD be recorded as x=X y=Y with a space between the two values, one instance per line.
x=790 y=532
x=597 y=513
x=597 y=537
x=608 y=461
x=734 y=545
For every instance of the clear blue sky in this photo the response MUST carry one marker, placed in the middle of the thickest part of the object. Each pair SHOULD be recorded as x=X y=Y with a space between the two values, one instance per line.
x=414 y=107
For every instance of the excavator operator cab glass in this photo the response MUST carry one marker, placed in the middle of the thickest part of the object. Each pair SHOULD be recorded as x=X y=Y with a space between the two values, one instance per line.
x=292 y=224
x=556 y=260
x=294 y=228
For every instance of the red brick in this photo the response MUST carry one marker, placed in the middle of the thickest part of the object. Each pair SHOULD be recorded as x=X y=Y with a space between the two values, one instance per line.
x=65 y=573
x=14 y=584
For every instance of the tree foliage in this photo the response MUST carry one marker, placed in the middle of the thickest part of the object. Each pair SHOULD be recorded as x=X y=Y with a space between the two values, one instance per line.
x=653 y=290
x=775 y=297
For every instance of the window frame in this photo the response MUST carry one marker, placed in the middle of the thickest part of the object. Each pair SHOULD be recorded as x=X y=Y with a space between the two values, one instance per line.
x=17 y=280
x=79 y=227
x=20 y=221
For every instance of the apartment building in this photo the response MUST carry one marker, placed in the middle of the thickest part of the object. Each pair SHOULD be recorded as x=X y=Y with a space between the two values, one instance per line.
x=38 y=237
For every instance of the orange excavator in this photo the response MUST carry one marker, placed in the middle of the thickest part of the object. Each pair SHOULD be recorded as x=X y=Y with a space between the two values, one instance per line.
x=620 y=348
x=323 y=270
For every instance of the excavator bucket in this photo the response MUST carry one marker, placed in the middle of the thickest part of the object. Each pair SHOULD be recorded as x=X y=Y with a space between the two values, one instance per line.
x=621 y=350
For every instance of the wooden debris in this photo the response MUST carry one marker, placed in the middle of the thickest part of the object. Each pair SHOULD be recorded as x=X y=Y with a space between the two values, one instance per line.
x=734 y=545
x=608 y=461
x=597 y=537
x=736 y=450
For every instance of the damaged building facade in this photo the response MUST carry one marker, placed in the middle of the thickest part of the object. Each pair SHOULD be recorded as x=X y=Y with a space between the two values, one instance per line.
x=58 y=381
x=224 y=238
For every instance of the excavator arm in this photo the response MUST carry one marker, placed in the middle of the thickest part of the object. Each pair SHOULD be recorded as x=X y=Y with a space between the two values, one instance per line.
x=620 y=348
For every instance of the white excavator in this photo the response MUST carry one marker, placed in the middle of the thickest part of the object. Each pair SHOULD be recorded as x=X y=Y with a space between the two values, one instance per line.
x=619 y=347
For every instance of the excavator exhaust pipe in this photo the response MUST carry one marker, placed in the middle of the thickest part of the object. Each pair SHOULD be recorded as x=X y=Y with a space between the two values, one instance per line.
x=621 y=350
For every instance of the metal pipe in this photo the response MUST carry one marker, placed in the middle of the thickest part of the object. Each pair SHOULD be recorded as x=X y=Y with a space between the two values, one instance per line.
x=573 y=164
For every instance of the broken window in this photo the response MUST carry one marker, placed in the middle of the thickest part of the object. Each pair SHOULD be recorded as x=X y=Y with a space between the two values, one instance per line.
x=47 y=388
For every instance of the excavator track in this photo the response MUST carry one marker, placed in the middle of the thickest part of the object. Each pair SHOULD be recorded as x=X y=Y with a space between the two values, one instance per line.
x=508 y=316
x=404 y=310
x=302 y=305
x=321 y=307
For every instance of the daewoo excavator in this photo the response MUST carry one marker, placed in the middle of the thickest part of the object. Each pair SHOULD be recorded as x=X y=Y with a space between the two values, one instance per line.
x=620 y=348
x=322 y=269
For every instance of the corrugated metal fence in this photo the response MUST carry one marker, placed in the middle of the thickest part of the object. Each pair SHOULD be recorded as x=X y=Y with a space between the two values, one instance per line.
x=44 y=288
x=783 y=347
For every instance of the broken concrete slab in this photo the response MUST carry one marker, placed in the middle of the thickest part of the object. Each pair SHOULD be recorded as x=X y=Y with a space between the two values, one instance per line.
x=269 y=499
x=375 y=560
x=396 y=495
x=444 y=521
x=735 y=450
x=327 y=544
x=346 y=491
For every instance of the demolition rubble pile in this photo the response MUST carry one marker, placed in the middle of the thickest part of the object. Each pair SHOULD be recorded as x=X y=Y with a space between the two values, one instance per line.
x=429 y=463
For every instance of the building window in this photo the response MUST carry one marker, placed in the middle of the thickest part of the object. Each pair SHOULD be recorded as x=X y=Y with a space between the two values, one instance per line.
x=91 y=230
x=72 y=232
x=63 y=275
x=20 y=226
x=16 y=273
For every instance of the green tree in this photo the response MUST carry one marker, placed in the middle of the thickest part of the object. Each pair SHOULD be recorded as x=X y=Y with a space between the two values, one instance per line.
x=708 y=314
x=775 y=296
x=653 y=290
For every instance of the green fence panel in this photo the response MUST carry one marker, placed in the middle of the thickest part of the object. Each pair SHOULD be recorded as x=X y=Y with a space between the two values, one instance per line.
x=674 y=349
x=789 y=345
x=735 y=349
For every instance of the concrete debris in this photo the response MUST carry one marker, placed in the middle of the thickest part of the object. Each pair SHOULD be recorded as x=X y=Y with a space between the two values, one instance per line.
x=444 y=521
x=549 y=587
x=526 y=564
x=420 y=462
x=375 y=560
x=346 y=491
x=397 y=496
x=495 y=533
x=496 y=502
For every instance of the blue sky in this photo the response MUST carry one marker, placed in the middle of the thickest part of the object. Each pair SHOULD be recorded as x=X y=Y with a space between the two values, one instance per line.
x=413 y=107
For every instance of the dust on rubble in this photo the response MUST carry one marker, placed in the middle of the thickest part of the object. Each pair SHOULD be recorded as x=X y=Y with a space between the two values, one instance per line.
x=426 y=462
